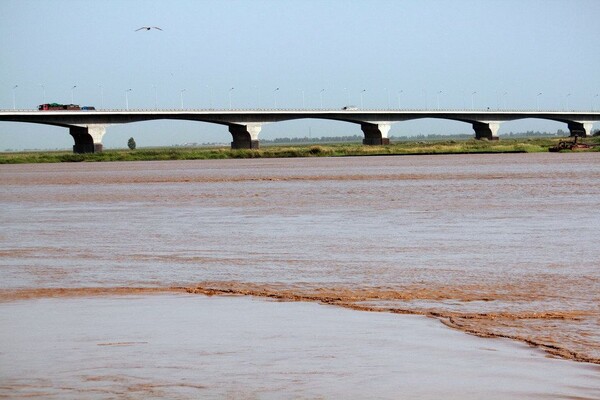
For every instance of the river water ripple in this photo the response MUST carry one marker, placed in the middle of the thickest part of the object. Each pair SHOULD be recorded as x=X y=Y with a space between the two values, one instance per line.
x=495 y=245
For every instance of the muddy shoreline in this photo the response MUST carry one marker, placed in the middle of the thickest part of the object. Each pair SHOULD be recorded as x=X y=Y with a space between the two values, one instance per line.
x=471 y=323
x=185 y=346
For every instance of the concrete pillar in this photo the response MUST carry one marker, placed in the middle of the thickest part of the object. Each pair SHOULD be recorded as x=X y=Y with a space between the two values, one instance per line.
x=83 y=141
x=582 y=129
x=88 y=138
x=375 y=133
x=486 y=129
x=245 y=136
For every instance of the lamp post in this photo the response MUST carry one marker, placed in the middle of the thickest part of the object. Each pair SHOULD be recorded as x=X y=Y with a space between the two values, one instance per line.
x=73 y=94
x=399 y=94
x=568 y=101
x=101 y=96
x=155 y=97
x=504 y=99
x=127 y=98
x=43 y=93
x=15 y=97
x=275 y=95
x=230 y=90
x=387 y=92
x=303 y=103
x=473 y=100
x=538 y=101
x=361 y=97
x=181 y=97
x=257 y=92
x=209 y=90
x=321 y=97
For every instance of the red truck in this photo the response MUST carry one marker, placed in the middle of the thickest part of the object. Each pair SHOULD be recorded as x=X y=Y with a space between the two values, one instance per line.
x=62 y=107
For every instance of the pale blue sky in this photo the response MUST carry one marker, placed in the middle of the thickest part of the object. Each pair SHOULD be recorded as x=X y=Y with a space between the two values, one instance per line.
x=402 y=53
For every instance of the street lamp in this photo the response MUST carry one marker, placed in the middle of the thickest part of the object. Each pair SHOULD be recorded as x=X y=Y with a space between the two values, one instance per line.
x=568 y=101
x=504 y=99
x=101 y=96
x=181 y=96
x=321 y=97
x=155 y=97
x=473 y=100
x=230 y=90
x=15 y=97
x=127 y=98
x=257 y=92
x=303 y=104
x=275 y=91
x=361 y=97
x=399 y=93
x=387 y=92
x=538 y=100
x=43 y=93
x=209 y=90
x=73 y=94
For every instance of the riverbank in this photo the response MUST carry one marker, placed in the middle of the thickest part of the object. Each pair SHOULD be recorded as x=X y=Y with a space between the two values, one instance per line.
x=523 y=145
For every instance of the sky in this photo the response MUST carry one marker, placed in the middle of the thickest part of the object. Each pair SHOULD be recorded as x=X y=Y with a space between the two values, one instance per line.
x=513 y=54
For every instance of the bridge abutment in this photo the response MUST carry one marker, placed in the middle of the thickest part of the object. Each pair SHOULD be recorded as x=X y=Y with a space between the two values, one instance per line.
x=581 y=129
x=375 y=134
x=486 y=130
x=245 y=136
x=88 y=139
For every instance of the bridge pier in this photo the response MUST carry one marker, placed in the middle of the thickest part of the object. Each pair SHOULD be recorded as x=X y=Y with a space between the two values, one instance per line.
x=376 y=134
x=486 y=130
x=88 y=139
x=581 y=129
x=245 y=136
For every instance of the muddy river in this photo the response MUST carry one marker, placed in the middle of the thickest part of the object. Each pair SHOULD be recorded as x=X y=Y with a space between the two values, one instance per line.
x=494 y=245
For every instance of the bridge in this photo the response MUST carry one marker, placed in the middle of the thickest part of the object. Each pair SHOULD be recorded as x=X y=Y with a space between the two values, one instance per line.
x=88 y=127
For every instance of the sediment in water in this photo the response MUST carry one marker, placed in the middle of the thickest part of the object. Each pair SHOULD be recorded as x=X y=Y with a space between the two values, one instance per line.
x=493 y=324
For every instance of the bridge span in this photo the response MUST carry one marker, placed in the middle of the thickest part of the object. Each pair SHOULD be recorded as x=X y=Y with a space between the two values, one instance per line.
x=88 y=127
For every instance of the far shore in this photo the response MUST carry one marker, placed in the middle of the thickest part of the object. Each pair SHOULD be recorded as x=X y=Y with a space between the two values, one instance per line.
x=471 y=146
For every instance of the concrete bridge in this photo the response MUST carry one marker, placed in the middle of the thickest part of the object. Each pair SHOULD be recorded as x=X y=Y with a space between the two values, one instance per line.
x=88 y=127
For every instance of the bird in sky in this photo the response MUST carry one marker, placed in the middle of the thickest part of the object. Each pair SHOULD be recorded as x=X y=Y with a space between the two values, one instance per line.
x=148 y=28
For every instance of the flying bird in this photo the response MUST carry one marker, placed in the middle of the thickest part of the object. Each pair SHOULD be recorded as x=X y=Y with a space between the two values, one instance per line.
x=148 y=28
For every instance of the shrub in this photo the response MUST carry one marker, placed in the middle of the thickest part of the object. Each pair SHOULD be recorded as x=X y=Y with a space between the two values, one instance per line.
x=316 y=150
x=131 y=143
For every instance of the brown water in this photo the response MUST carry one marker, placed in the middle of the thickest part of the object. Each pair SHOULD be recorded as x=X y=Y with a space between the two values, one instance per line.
x=182 y=346
x=495 y=245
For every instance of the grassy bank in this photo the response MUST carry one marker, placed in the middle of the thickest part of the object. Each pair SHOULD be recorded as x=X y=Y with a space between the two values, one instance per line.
x=527 y=145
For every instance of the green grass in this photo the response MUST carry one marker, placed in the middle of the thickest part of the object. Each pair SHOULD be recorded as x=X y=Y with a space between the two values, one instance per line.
x=525 y=145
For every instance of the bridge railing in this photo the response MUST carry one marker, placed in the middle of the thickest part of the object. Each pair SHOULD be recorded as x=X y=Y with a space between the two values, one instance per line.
x=360 y=110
